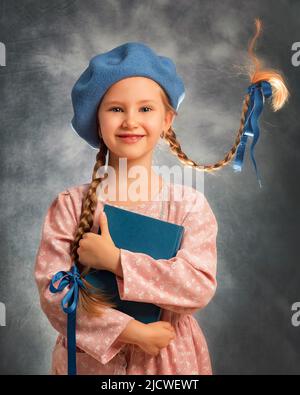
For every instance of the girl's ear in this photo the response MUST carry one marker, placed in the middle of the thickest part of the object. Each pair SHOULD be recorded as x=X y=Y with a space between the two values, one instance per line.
x=169 y=118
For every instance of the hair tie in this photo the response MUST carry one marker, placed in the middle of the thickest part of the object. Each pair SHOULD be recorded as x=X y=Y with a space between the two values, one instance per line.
x=71 y=278
x=258 y=92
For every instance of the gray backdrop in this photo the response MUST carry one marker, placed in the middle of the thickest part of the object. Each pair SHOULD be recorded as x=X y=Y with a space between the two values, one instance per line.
x=48 y=44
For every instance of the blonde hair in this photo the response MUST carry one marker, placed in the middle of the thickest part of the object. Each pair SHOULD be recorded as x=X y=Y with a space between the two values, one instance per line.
x=92 y=299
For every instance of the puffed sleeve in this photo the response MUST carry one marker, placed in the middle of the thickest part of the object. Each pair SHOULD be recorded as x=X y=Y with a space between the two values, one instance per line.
x=184 y=283
x=96 y=335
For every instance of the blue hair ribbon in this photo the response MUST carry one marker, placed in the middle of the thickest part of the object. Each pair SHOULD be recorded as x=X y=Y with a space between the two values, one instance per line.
x=258 y=92
x=71 y=278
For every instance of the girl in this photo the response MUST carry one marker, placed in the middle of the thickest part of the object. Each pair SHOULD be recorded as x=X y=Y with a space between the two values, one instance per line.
x=108 y=100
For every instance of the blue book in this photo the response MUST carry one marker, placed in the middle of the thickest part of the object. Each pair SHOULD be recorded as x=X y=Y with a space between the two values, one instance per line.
x=137 y=233
x=131 y=231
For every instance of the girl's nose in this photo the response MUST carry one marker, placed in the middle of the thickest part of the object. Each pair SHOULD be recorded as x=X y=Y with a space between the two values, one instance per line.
x=130 y=121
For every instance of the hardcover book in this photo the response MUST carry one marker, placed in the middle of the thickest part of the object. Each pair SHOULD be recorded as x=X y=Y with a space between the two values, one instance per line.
x=137 y=233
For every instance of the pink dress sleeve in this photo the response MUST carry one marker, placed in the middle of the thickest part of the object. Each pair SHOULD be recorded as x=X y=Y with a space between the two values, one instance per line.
x=95 y=335
x=184 y=283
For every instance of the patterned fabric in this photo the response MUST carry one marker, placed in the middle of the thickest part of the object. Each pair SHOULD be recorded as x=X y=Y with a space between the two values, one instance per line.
x=181 y=286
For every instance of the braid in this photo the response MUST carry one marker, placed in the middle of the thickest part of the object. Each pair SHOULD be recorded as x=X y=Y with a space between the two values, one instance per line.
x=89 y=203
x=256 y=73
x=90 y=302
x=175 y=147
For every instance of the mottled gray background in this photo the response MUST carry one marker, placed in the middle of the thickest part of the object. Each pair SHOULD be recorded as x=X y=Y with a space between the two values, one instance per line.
x=248 y=323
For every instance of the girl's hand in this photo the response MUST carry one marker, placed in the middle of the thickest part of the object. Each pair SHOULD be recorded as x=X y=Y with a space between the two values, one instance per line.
x=155 y=336
x=99 y=251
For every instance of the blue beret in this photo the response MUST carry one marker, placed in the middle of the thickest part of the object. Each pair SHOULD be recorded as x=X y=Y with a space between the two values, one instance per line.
x=129 y=59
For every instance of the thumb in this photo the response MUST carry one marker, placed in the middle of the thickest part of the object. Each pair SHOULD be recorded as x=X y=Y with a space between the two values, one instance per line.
x=103 y=224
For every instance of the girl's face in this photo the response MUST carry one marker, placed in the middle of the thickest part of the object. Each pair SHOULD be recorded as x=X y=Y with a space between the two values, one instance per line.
x=133 y=105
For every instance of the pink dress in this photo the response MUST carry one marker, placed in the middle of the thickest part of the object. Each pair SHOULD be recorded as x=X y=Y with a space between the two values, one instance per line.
x=180 y=286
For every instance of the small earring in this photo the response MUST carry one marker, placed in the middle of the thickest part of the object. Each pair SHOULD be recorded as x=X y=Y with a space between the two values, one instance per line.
x=162 y=135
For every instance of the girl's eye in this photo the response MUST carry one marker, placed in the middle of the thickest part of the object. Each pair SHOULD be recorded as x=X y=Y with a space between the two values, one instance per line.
x=114 y=108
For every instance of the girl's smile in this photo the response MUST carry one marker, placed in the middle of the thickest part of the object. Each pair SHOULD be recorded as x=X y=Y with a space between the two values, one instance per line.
x=127 y=139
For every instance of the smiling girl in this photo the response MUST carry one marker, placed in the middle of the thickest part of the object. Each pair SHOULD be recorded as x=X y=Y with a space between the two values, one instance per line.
x=128 y=91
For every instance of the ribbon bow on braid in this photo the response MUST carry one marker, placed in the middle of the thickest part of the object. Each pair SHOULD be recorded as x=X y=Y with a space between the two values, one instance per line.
x=258 y=92
x=71 y=278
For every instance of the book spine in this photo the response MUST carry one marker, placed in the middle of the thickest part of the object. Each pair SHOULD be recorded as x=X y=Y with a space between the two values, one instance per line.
x=178 y=241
